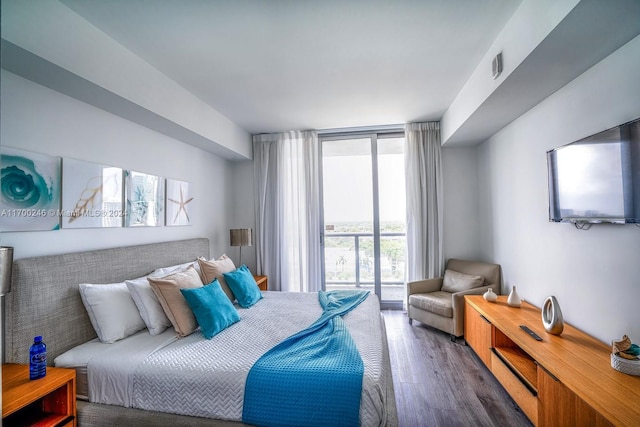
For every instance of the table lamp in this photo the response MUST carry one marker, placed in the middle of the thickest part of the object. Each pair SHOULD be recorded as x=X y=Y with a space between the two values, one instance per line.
x=241 y=237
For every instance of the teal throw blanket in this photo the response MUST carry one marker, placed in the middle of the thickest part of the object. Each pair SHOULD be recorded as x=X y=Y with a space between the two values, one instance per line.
x=312 y=378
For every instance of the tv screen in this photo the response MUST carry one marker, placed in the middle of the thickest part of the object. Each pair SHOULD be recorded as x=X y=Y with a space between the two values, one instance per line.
x=597 y=179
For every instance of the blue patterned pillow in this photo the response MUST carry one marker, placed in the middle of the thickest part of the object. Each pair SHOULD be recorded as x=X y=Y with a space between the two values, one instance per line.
x=211 y=307
x=244 y=286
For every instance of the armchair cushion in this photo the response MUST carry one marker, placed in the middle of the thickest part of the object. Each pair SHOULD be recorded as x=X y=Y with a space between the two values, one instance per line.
x=454 y=281
x=438 y=302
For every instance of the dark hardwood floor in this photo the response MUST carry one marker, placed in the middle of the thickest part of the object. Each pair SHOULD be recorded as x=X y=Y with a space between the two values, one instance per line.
x=443 y=383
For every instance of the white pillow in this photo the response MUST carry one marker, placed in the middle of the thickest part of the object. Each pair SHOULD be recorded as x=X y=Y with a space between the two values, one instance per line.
x=112 y=311
x=165 y=271
x=148 y=305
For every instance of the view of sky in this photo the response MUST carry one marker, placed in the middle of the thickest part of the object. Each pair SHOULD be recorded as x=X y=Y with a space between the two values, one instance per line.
x=347 y=182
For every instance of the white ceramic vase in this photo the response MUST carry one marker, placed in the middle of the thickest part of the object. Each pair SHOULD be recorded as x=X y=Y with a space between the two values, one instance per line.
x=490 y=295
x=552 y=319
x=514 y=299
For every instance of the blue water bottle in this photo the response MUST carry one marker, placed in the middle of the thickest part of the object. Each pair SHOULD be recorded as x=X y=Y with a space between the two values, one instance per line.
x=37 y=359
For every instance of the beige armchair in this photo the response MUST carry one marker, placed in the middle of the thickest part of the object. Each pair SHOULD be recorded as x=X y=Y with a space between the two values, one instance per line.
x=439 y=302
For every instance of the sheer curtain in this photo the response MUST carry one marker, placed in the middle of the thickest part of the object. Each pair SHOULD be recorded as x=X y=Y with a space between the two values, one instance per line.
x=423 y=171
x=287 y=195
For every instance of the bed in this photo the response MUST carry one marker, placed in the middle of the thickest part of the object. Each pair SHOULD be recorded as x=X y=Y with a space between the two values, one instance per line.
x=48 y=286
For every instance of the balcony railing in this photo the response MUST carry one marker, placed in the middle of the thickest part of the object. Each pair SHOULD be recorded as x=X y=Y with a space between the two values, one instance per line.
x=349 y=259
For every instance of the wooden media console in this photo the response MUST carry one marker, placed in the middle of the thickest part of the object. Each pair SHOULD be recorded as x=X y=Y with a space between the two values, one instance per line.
x=564 y=380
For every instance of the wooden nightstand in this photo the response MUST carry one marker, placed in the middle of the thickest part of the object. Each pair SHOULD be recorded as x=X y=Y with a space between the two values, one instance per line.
x=48 y=401
x=262 y=282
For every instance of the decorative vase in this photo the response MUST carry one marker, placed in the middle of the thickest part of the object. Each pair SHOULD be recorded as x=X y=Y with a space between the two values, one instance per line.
x=514 y=299
x=490 y=295
x=552 y=319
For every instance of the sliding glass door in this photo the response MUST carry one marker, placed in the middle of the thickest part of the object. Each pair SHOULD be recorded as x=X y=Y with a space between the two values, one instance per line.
x=363 y=197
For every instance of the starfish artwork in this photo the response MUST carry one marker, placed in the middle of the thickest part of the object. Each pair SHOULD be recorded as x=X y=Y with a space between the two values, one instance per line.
x=181 y=206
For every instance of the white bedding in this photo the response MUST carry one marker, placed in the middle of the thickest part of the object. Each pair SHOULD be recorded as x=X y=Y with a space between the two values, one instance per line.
x=195 y=376
x=128 y=353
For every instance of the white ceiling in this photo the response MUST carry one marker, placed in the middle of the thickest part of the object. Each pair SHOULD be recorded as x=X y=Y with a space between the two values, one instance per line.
x=280 y=65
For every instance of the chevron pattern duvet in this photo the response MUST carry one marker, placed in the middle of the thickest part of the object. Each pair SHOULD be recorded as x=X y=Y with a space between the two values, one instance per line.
x=206 y=378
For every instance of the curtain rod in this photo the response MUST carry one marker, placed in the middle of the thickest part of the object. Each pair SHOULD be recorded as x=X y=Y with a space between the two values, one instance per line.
x=356 y=129
x=383 y=128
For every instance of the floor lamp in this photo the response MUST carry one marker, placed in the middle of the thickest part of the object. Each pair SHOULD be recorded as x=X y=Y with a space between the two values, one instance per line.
x=241 y=237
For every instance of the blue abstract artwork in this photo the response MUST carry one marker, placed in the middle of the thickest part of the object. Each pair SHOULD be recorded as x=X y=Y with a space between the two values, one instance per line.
x=30 y=191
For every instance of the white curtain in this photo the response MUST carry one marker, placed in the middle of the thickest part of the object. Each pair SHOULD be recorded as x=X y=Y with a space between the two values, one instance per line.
x=423 y=171
x=287 y=195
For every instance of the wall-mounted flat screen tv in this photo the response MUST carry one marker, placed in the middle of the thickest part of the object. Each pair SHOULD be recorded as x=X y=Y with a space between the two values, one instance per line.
x=597 y=179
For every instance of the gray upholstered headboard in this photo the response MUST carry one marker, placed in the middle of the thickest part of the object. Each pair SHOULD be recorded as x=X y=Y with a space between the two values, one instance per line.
x=44 y=298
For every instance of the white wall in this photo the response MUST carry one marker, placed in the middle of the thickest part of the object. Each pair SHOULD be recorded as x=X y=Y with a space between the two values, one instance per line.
x=595 y=273
x=243 y=214
x=461 y=222
x=39 y=119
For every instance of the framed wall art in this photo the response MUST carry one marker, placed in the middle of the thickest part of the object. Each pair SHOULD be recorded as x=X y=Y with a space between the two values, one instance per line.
x=178 y=206
x=30 y=191
x=144 y=195
x=91 y=195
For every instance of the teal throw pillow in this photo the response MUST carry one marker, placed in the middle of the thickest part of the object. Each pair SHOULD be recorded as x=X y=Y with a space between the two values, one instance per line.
x=244 y=286
x=211 y=307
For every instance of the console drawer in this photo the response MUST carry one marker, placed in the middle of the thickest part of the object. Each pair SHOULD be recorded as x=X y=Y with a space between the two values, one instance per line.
x=527 y=401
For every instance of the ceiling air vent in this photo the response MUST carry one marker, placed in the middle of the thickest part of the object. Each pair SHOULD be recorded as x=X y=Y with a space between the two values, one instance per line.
x=496 y=66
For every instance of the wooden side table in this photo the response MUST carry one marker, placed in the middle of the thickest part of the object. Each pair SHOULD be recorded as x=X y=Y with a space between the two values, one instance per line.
x=262 y=282
x=48 y=401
